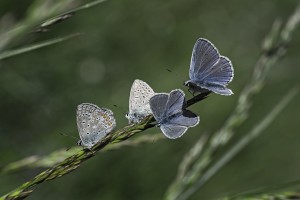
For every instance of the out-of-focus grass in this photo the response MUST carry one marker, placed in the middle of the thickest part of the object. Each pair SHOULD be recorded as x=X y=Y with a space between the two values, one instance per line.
x=11 y=53
x=72 y=162
x=40 y=11
x=242 y=143
x=39 y=90
x=274 y=48
x=57 y=156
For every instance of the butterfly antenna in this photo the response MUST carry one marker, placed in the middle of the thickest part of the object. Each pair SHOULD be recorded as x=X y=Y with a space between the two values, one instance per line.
x=121 y=108
x=176 y=74
x=68 y=148
x=71 y=136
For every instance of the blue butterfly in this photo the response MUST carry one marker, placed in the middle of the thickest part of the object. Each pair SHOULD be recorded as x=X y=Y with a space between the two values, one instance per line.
x=209 y=71
x=170 y=113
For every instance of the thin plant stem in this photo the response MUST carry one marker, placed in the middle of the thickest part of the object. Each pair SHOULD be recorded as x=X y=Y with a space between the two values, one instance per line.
x=74 y=161
x=57 y=156
x=273 y=48
x=11 y=53
x=241 y=144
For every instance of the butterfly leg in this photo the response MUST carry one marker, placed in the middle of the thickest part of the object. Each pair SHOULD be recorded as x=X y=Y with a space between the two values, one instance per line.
x=191 y=91
x=89 y=149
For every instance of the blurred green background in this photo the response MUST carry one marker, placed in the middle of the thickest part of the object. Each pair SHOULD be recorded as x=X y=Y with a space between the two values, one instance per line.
x=125 y=40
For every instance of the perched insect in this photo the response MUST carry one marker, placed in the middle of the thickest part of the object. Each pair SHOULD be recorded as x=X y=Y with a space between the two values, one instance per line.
x=140 y=95
x=93 y=123
x=209 y=71
x=170 y=113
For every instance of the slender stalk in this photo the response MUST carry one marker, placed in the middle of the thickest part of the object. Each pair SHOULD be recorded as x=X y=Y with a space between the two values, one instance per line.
x=36 y=161
x=39 y=11
x=10 y=53
x=74 y=161
x=241 y=144
x=273 y=48
x=283 y=191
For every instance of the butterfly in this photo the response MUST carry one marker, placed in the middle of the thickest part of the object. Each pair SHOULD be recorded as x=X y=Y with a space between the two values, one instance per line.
x=209 y=71
x=139 y=108
x=93 y=123
x=170 y=113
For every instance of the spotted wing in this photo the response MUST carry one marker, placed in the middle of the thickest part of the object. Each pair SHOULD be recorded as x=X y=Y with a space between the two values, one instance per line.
x=140 y=95
x=93 y=123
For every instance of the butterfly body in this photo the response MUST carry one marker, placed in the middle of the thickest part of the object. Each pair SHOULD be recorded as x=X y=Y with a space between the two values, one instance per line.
x=209 y=71
x=170 y=113
x=93 y=123
x=139 y=107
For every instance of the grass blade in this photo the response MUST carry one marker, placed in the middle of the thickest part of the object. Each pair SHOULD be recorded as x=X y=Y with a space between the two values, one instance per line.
x=10 y=53
x=231 y=153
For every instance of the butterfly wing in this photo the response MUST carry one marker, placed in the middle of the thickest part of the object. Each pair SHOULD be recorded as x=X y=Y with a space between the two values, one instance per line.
x=175 y=102
x=221 y=73
x=177 y=125
x=222 y=90
x=204 y=56
x=168 y=111
x=140 y=95
x=187 y=119
x=173 y=131
x=158 y=105
x=93 y=123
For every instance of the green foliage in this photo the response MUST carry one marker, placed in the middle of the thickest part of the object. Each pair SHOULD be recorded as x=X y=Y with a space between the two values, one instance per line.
x=39 y=91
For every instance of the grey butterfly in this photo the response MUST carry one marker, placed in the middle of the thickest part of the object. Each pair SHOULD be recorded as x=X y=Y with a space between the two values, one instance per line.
x=93 y=123
x=209 y=71
x=140 y=95
x=170 y=113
